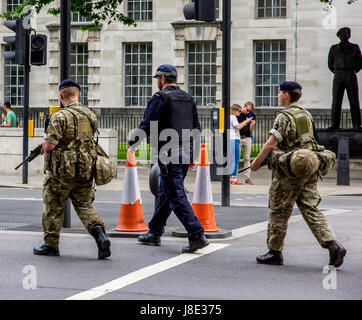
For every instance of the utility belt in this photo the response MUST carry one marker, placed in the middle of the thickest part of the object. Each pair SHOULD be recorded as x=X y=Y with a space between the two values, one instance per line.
x=281 y=160
x=68 y=164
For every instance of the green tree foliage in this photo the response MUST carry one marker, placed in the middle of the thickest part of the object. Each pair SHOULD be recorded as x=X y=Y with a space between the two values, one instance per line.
x=98 y=11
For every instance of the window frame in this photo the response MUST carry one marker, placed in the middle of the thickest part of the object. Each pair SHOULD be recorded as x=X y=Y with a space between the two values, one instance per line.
x=281 y=76
x=7 y=4
x=272 y=7
x=84 y=97
x=19 y=87
x=146 y=12
x=147 y=76
x=212 y=85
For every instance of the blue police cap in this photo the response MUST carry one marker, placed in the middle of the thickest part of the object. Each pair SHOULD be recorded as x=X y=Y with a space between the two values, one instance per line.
x=68 y=83
x=166 y=70
x=290 y=86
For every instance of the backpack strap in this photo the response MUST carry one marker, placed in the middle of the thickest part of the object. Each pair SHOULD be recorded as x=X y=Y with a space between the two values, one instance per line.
x=291 y=115
x=93 y=125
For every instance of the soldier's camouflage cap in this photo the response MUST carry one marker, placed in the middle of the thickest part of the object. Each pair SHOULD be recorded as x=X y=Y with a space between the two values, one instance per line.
x=166 y=70
x=290 y=86
x=68 y=83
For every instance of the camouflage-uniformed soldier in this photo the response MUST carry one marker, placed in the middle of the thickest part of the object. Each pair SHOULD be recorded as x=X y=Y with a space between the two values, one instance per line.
x=69 y=160
x=293 y=132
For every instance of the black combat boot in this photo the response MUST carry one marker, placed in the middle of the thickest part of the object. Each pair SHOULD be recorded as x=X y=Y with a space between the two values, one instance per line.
x=150 y=239
x=103 y=243
x=336 y=253
x=45 y=250
x=196 y=244
x=271 y=257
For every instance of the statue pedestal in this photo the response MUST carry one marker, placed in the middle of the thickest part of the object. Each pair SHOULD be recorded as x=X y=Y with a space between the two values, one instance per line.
x=346 y=144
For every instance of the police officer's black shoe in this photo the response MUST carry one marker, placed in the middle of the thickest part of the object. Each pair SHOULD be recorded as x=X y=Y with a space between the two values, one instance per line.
x=272 y=257
x=336 y=253
x=196 y=244
x=45 y=250
x=150 y=239
x=103 y=243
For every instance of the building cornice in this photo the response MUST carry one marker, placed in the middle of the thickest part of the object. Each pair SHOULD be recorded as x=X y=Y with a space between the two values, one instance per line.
x=56 y=26
x=194 y=23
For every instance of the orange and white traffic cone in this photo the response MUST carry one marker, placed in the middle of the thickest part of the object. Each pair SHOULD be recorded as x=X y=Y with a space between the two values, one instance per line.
x=202 y=202
x=131 y=213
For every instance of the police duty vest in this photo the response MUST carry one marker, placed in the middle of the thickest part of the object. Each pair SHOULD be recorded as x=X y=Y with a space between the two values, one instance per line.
x=177 y=113
x=301 y=129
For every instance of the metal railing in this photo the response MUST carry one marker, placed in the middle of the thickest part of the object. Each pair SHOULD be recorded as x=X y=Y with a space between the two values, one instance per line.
x=127 y=120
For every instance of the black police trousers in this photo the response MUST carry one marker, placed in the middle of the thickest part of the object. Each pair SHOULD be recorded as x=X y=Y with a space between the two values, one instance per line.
x=345 y=80
x=172 y=197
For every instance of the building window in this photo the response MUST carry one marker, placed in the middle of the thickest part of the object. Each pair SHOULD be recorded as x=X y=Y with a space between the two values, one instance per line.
x=77 y=17
x=13 y=82
x=140 y=10
x=12 y=4
x=79 y=69
x=270 y=65
x=201 y=67
x=271 y=8
x=137 y=73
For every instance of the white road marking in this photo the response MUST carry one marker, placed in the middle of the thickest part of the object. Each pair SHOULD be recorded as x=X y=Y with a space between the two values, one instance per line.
x=151 y=270
x=144 y=273
x=21 y=199
x=40 y=234
x=263 y=226
x=40 y=199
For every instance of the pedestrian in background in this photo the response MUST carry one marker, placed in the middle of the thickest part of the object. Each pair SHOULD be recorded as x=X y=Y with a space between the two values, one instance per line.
x=235 y=126
x=246 y=134
x=10 y=118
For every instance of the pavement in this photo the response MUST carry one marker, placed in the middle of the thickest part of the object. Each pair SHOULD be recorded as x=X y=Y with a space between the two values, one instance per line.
x=261 y=180
x=226 y=269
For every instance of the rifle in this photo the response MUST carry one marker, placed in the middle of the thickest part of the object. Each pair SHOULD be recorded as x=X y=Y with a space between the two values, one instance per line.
x=36 y=152
x=33 y=154
x=265 y=162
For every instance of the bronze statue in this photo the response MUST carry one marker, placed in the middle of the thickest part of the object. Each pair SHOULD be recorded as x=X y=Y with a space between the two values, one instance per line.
x=345 y=61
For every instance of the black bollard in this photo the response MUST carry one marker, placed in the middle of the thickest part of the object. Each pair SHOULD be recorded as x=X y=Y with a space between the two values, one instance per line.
x=154 y=181
x=343 y=178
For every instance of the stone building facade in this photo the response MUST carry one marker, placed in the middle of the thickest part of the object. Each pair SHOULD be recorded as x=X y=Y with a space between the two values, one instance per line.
x=272 y=41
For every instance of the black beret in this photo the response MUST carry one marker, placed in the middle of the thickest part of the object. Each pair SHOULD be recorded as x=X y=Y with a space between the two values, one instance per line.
x=343 y=29
x=290 y=86
x=68 y=83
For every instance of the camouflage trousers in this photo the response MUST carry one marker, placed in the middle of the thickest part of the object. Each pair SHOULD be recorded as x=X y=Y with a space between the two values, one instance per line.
x=284 y=192
x=55 y=195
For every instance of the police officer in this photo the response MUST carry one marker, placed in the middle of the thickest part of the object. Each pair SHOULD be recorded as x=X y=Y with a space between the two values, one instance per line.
x=172 y=108
x=293 y=132
x=69 y=162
